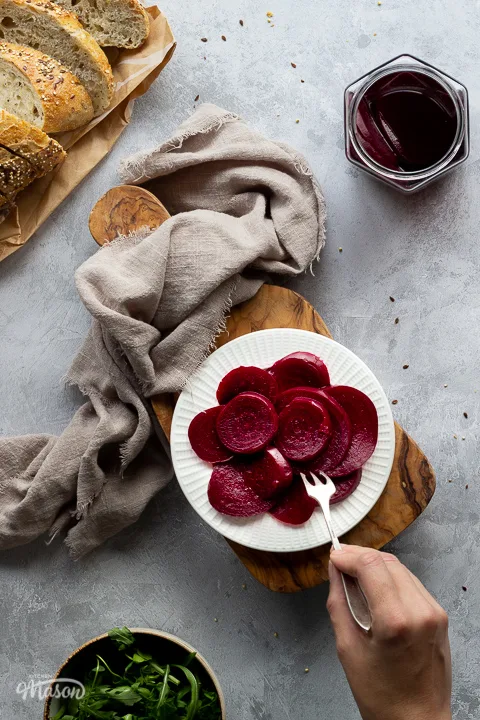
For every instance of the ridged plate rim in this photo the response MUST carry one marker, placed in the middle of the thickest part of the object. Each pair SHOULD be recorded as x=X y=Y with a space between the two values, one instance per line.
x=262 y=348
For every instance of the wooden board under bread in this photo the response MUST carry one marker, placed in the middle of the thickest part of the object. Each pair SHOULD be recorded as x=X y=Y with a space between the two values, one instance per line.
x=411 y=484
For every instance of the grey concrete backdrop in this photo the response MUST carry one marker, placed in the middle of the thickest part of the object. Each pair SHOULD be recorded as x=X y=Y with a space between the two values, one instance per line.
x=170 y=570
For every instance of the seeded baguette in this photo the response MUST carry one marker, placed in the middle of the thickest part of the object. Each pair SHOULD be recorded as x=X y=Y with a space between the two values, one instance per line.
x=22 y=138
x=15 y=174
x=56 y=32
x=26 y=153
x=36 y=88
x=113 y=23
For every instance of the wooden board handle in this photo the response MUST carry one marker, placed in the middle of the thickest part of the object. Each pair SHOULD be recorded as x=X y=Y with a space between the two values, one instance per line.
x=123 y=210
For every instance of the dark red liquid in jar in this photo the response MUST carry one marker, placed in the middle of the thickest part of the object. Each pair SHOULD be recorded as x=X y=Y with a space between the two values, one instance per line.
x=406 y=121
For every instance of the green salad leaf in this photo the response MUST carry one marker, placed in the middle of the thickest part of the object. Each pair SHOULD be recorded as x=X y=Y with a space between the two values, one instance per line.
x=143 y=689
x=122 y=637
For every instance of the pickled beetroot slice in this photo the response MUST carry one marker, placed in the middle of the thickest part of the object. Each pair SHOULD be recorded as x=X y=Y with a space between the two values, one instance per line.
x=267 y=474
x=202 y=433
x=295 y=507
x=244 y=379
x=300 y=369
x=341 y=437
x=229 y=494
x=345 y=486
x=286 y=397
x=304 y=429
x=363 y=416
x=247 y=423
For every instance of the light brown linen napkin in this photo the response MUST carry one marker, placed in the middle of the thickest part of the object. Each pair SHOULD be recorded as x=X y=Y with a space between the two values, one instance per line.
x=243 y=206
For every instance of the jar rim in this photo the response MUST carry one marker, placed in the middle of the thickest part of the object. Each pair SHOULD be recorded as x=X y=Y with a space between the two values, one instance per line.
x=414 y=175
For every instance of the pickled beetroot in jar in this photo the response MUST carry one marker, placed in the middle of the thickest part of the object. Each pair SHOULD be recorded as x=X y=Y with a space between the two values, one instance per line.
x=406 y=121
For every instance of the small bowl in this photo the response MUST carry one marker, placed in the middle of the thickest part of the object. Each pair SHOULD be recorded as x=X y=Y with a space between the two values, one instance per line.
x=151 y=641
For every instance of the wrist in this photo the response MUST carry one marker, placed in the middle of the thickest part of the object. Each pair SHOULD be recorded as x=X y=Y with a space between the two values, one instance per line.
x=422 y=715
x=409 y=714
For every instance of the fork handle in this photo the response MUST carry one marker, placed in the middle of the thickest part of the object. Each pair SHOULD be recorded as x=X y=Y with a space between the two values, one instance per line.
x=356 y=600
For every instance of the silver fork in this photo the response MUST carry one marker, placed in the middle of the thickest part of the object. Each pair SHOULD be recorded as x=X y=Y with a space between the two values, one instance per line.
x=322 y=491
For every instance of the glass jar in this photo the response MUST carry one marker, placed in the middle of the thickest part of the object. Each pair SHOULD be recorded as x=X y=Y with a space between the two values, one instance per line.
x=406 y=123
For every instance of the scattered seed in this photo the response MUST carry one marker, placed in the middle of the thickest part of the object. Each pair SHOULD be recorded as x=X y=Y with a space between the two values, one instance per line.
x=392 y=299
x=405 y=367
x=244 y=587
x=379 y=3
x=465 y=415
x=449 y=481
x=293 y=65
x=463 y=437
x=272 y=25
x=275 y=634
x=397 y=320
x=466 y=487
x=455 y=437
x=215 y=619
x=464 y=588
x=297 y=121
x=404 y=484
x=204 y=39
x=224 y=38
x=241 y=22
x=445 y=385
x=302 y=80
x=374 y=34
x=340 y=249
x=269 y=14
x=394 y=402
x=198 y=96
x=307 y=670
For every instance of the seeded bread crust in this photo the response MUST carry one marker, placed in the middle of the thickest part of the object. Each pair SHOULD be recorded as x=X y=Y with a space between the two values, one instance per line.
x=15 y=174
x=26 y=153
x=24 y=139
x=58 y=33
x=113 y=23
x=53 y=98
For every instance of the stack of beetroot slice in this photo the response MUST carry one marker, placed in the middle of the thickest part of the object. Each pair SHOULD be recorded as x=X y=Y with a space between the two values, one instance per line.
x=271 y=425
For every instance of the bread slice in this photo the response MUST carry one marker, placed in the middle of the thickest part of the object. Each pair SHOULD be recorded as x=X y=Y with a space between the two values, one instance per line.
x=26 y=153
x=53 y=31
x=117 y=23
x=36 y=88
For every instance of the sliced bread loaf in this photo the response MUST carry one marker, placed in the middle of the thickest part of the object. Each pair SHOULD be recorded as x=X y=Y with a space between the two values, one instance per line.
x=117 y=23
x=26 y=153
x=53 y=31
x=36 y=88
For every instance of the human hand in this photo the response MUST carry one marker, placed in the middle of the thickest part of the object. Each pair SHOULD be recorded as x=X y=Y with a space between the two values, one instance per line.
x=401 y=669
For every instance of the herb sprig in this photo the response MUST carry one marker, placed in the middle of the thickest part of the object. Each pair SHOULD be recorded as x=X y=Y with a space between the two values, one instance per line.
x=143 y=690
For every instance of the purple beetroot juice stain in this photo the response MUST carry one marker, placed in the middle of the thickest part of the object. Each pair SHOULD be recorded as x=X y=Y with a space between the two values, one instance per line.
x=406 y=122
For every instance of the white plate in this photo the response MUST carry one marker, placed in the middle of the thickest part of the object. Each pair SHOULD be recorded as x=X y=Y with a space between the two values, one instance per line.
x=263 y=348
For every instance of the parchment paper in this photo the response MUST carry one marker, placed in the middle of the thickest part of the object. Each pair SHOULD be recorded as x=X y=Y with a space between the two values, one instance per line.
x=134 y=71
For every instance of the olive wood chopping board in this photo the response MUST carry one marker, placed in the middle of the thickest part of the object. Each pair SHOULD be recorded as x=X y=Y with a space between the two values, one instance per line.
x=411 y=484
